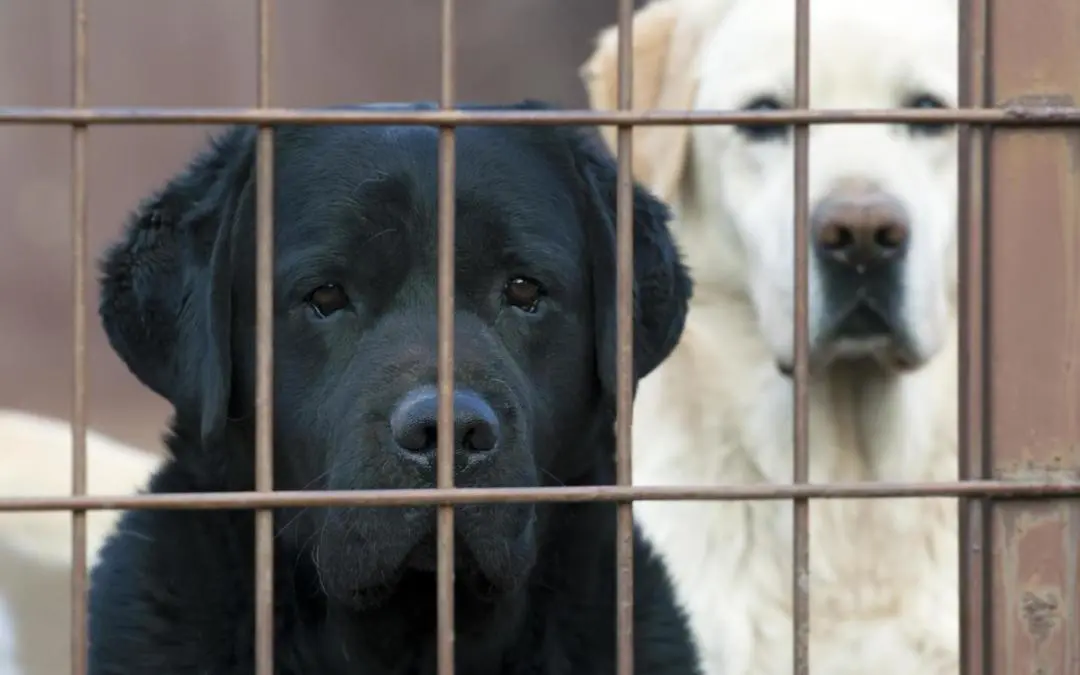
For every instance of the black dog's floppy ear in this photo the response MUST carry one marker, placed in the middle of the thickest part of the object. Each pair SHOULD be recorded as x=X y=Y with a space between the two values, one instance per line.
x=166 y=286
x=662 y=285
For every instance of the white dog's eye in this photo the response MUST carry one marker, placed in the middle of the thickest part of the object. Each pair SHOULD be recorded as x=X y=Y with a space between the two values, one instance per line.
x=763 y=132
x=926 y=101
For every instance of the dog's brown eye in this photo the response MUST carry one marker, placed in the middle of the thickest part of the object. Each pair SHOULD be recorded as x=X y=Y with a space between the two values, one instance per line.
x=926 y=102
x=763 y=132
x=325 y=300
x=523 y=293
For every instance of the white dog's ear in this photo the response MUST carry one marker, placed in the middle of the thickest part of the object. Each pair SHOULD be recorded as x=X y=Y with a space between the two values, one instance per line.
x=667 y=39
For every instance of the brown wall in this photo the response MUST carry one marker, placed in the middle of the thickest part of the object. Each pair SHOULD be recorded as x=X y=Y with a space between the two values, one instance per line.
x=202 y=53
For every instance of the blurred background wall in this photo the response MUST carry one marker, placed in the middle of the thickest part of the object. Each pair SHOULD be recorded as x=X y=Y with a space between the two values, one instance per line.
x=203 y=53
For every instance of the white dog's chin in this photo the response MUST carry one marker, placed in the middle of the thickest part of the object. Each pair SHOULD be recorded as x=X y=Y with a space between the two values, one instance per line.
x=897 y=354
x=878 y=355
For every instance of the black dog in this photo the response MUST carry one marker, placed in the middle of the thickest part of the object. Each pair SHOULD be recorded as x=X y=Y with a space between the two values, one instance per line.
x=354 y=373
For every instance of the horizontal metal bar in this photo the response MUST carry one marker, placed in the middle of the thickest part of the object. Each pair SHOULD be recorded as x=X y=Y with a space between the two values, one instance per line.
x=606 y=493
x=1007 y=116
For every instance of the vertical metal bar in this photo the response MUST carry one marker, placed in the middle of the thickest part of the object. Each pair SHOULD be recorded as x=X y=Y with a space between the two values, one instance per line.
x=444 y=455
x=973 y=561
x=78 y=402
x=624 y=312
x=264 y=355
x=801 y=507
x=1032 y=394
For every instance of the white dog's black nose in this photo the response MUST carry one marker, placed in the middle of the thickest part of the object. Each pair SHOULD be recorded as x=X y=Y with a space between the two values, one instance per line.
x=860 y=228
x=413 y=422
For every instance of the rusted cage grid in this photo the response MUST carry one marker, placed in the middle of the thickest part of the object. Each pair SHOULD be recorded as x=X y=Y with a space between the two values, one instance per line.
x=975 y=488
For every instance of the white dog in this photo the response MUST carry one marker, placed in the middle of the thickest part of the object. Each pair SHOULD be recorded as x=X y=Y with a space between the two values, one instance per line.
x=35 y=548
x=883 y=330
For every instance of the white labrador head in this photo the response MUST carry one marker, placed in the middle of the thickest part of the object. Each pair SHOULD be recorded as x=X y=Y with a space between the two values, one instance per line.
x=882 y=198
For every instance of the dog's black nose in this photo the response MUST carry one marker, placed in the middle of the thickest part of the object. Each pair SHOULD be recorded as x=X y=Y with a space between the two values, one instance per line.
x=860 y=228
x=413 y=423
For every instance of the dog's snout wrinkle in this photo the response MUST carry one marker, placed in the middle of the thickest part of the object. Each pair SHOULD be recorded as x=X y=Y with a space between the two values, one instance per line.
x=860 y=229
x=414 y=422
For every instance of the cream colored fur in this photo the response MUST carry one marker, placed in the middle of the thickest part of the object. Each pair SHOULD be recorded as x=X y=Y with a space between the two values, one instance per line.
x=883 y=574
x=35 y=547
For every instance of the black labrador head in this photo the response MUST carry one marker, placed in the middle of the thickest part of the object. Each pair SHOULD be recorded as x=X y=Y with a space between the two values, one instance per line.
x=355 y=337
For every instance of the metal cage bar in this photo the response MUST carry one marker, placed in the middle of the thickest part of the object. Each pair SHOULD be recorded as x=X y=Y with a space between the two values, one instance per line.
x=79 y=219
x=1012 y=604
x=1021 y=113
x=1032 y=383
x=973 y=551
x=444 y=452
x=800 y=548
x=624 y=348
x=264 y=355
x=998 y=489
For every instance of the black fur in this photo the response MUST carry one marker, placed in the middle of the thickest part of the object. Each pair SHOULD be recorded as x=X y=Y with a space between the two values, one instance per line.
x=355 y=592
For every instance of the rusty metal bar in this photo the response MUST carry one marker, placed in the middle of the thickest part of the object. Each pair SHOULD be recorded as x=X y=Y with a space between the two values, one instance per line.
x=1033 y=356
x=974 y=604
x=1020 y=114
x=78 y=402
x=998 y=489
x=800 y=549
x=444 y=453
x=264 y=356
x=624 y=348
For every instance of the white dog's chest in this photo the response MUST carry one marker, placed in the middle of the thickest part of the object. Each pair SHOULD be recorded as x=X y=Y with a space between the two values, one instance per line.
x=882 y=583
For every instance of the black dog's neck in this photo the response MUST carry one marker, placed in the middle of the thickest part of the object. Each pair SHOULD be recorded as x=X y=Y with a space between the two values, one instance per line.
x=487 y=630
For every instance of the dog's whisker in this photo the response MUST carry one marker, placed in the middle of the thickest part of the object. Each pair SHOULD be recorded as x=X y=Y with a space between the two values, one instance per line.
x=303 y=509
x=553 y=477
x=126 y=532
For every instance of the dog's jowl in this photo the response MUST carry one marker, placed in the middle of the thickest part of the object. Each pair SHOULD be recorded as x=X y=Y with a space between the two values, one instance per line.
x=355 y=401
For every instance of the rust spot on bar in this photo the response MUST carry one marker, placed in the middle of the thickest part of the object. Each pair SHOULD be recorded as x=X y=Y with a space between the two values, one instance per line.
x=1041 y=613
x=1039 y=107
x=1034 y=610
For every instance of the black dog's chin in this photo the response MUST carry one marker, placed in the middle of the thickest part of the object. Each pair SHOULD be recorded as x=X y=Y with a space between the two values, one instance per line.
x=495 y=551
x=363 y=599
x=360 y=553
x=499 y=567
x=499 y=544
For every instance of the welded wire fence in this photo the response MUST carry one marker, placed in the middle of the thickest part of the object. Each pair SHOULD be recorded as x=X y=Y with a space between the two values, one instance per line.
x=1003 y=566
